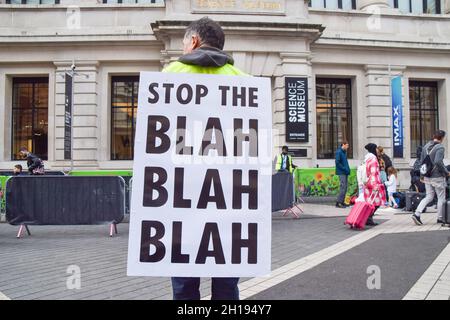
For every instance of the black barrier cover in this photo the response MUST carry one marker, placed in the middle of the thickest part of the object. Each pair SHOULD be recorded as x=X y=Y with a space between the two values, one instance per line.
x=54 y=200
x=282 y=191
x=25 y=173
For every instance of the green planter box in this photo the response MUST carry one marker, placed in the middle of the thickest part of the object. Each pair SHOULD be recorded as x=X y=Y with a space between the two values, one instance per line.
x=115 y=173
x=3 y=180
x=322 y=182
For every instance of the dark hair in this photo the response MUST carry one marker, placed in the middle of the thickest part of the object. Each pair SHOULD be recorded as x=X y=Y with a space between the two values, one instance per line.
x=18 y=166
x=285 y=148
x=372 y=148
x=23 y=149
x=344 y=143
x=439 y=135
x=209 y=32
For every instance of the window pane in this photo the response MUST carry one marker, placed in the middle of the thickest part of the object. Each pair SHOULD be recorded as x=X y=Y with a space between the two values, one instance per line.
x=341 y=95
x=123 y=116
x=324 y=134
x=23 y=95
x=332 y=4
x=417 y=6
x=428 y=99
x=41 y=95
x=30 y=116
x=423 y=99
x=429 y=125
x=323 y=96
x=342 y=118
x=40 y=133
x=319 y=4
x=22 y=131
x=334 y=121
x=347 y=5
x=415 y=131
x=403 y=6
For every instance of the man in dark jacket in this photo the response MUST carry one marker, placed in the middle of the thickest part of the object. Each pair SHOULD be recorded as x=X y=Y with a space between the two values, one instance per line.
x=203 y=44
x=34 y=163
x=343 y=171
x=435 y=183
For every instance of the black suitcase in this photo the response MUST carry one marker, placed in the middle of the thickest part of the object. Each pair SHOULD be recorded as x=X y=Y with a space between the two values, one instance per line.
x=412 y=200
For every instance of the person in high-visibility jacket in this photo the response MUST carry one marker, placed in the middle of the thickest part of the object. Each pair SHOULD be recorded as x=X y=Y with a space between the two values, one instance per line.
x=202 y=47
x=284 y=161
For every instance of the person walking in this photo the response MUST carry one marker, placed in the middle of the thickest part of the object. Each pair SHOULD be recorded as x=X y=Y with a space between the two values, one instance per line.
x=373 y=189
x=284 y=161
x=203 y=52
x=435 y=180
x=343 y=171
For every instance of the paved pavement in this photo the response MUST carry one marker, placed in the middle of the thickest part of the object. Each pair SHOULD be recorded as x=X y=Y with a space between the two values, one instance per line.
x=304 y=251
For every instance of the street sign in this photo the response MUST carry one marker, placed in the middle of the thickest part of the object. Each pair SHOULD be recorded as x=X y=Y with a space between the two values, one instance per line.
x=297 y=110
x=68 y=118
x=397 y=116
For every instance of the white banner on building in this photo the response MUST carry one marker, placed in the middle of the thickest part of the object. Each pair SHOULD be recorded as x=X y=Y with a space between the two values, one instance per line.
x=201 y=202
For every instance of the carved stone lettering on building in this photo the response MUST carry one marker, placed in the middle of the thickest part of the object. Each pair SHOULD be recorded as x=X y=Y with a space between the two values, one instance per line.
x=239 y=6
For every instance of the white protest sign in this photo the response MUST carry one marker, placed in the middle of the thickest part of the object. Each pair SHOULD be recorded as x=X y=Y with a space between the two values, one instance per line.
x=201 y=197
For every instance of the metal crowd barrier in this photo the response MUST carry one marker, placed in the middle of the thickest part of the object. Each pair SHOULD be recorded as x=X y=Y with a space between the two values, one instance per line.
x=65 y=200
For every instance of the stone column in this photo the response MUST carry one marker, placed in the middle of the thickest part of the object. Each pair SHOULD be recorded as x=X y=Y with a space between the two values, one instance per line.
x=379 y=106
x=85 y=115
x=168 y=56
x=296 y=65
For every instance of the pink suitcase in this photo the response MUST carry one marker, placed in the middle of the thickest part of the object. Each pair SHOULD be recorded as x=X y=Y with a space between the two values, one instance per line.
x=360 y=213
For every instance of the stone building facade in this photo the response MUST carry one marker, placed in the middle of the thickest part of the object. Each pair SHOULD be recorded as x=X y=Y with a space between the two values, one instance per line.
x=348 y=50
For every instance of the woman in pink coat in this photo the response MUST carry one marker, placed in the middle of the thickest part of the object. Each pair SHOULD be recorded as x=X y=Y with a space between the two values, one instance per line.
x=374 y=184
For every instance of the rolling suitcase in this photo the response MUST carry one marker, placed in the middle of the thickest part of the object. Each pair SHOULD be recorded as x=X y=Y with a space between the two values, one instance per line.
x=360 y=213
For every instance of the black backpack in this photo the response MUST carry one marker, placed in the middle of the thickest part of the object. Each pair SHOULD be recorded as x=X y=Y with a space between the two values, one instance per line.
x=427 y=166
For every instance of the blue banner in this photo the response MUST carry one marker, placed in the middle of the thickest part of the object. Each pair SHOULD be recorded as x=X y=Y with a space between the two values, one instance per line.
x=397 y=116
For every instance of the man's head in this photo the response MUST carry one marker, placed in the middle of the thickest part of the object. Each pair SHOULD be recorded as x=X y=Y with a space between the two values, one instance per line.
x=284 y=150
x=345 y=145
x=203 y=32
x=23 y=151
x=18 y=168
x=439 y=135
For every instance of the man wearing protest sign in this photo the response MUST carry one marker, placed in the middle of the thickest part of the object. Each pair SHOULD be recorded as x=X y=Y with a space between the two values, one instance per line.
x=202 y=48
x=201 y=207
